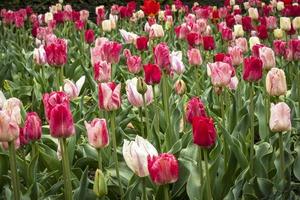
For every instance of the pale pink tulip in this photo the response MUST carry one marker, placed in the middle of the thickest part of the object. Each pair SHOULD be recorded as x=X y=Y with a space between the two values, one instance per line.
x=220 y=73
x=280 y=118
x=276 y=82
x=267 y=56
x=97 y=133
x=134 y=97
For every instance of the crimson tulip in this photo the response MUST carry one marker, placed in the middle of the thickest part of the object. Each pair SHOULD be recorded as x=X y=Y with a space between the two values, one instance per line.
x=204 y=132
x=252 y=69
x=32 y=127
x=152 y=74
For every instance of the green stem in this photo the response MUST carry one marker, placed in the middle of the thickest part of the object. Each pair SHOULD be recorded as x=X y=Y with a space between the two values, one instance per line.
x=166 y=192
x=207 y=176
x=168 y=135
x=142 y=123
x=66 y=169
x=224 y=126
x=281 y=151
x=113 y=131
x=99 y=159
x=251 y=112
x=14 y=173
x=144 y=188
x=34 y=149
x=157 y=111
x=147 y=118
x=200 y=165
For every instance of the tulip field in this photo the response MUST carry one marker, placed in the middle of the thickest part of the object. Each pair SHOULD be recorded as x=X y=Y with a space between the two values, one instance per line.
x=151 y=101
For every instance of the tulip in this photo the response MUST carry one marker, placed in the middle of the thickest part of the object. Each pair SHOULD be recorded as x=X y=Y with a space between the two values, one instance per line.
x=134 y=63
x=279 y=47
x=141 y=43
x=285 y=23
x=134 y=97
x=278 y=33
x=194 y=57
x=128 y=37
x=109 y=96
x=236 y=55
x=89 y=36
x=71 y=89
x=17 y=143
x=204 y=133
x=242 y=43
x=9 y=129
x=105 y=50
x=280 y=118
x=162 y=56
x=56 y=52
x=238 y=30
x=163 y=169
x=262 y=32
x=176 y=62
x=276 y=82
x=150 y=7
x=102 y=71
x=234 y=81
x=39 y=56
x=252 y=69
x=208 y=43
x=253 y=13
x=253 y=41
x=256 y=49
x=280 y=5
x=135 y=154
x=2 y=99
x=220 y=73
x=226 y=34
x=152 y=74
x=12 y=107
x=97 y=133
x=267 y=56
x=48 y=17
x=180 y=87
x=100 y=187
x=32 y=127
x=271 y=22
x=247 y=23
x=221 y=57
x=296 y=23
x=84 y=15
x=156 y=31
x=194 y=107
x=193 y=38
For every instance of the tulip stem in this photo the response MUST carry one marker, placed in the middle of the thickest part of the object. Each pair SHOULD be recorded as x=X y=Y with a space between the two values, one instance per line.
x=142 y=123
x=146 y=117
x=209 y=197
x=34 y=149
x=144 y=188
x=251 y=110
x=113 y=131
x=13 y=168
x=200 y=165
x=99 y=159
x=224 y=126
x=166 y=192
x=168 y=135
x=157 y=111
x=66 y=169
x=281 y=151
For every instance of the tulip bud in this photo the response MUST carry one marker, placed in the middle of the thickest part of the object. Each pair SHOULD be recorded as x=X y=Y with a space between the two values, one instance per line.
x=180 y=87
x=285 y=23
x=276 y=82
x=278 y=33
x=97 y=133
x=100 y=187
x=194 y=107
x=253 y=13
x=141 y=86
x=204 y=132
x=296 y=23
x=280 y=118
x=32 y=127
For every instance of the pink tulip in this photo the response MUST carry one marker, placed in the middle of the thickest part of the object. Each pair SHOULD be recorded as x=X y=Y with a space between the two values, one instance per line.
x=236 y=55
x=102 y=71
x=61 y=121
x=194 y=107
x=128 y=37
x=9 y=129
x=267 y=56
x=32 y=127
x=12 y=107
x=242 y=43
x=271 y=22
x=220 y=73
x=134 y=63
x=194 y=57
x=163 y=169
x=280 y=118
x=109 y=96
x=226 y=34
x=134 y=97
x=56 y=52
x=234 y=81
x=39 y=56
x=97 y=133
x=5 y=145
x=279 y=47
x=84 y=15
x=276 y=82
x=162 y=56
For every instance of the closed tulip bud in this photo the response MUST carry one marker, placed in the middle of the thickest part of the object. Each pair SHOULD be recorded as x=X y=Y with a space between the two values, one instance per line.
x=236 y=55
x=278 y=33
x=220 y=73
x=194 y=107
x=106 y=25
x=253 y=13
x=194 y=57
x=285 y=23
x=162 y=56
x=242 y=43
x=253 y=41
x=142 y=43
x=48 y=17
x=135 y=154
x=134 y=96
x=109 y=96
x=56 y=52
x=238 y=30
x=152 y=74
x=296 y=23
x=252 y=69
x=234 y=81
x=276 y=82
x=97 y=133
x=12 y=107
x=267 y=56
x=32 y=127
x=100 y=187
x=204 y=132
x=280 y=118
x=280 y=5
x=141 y=86
x=180 y=87
x=163 y=169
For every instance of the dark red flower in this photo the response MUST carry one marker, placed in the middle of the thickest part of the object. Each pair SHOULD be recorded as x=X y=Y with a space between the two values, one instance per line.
x=194 y=107
x=89 y=36
x=247 y=23
x=142 y=43
x=252 y=69
x=208 y=43
x=262 y=32
x=204 y=132
x=150 y=7
x=152 y=74
x=193 y=38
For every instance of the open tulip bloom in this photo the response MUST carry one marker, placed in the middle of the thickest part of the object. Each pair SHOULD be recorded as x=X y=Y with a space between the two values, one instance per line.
x=150 y=99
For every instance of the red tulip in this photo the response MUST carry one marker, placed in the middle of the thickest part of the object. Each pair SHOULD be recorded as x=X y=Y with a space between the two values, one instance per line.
x=262 y=32
x=194 y=107
x=111 y=52
x=223 y=57
x=208 y=43
x=279 y=47
x=255 y=49
x=204 y=132
x=150 y=7
x=56 y=52
x=193 y=38
x=33 y=127
x=89 y=36
x=247 y=23
x=152 y=74
x=109 y=96
x=142 y=43
x=163 y=169
x=293 y=50
x=230 y=21
x=162 y=56
x=61 y=122
x=22 y=139
x=252 y=69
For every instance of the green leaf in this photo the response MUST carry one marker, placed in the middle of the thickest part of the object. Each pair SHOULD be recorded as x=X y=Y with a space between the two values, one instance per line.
x=80 y=192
